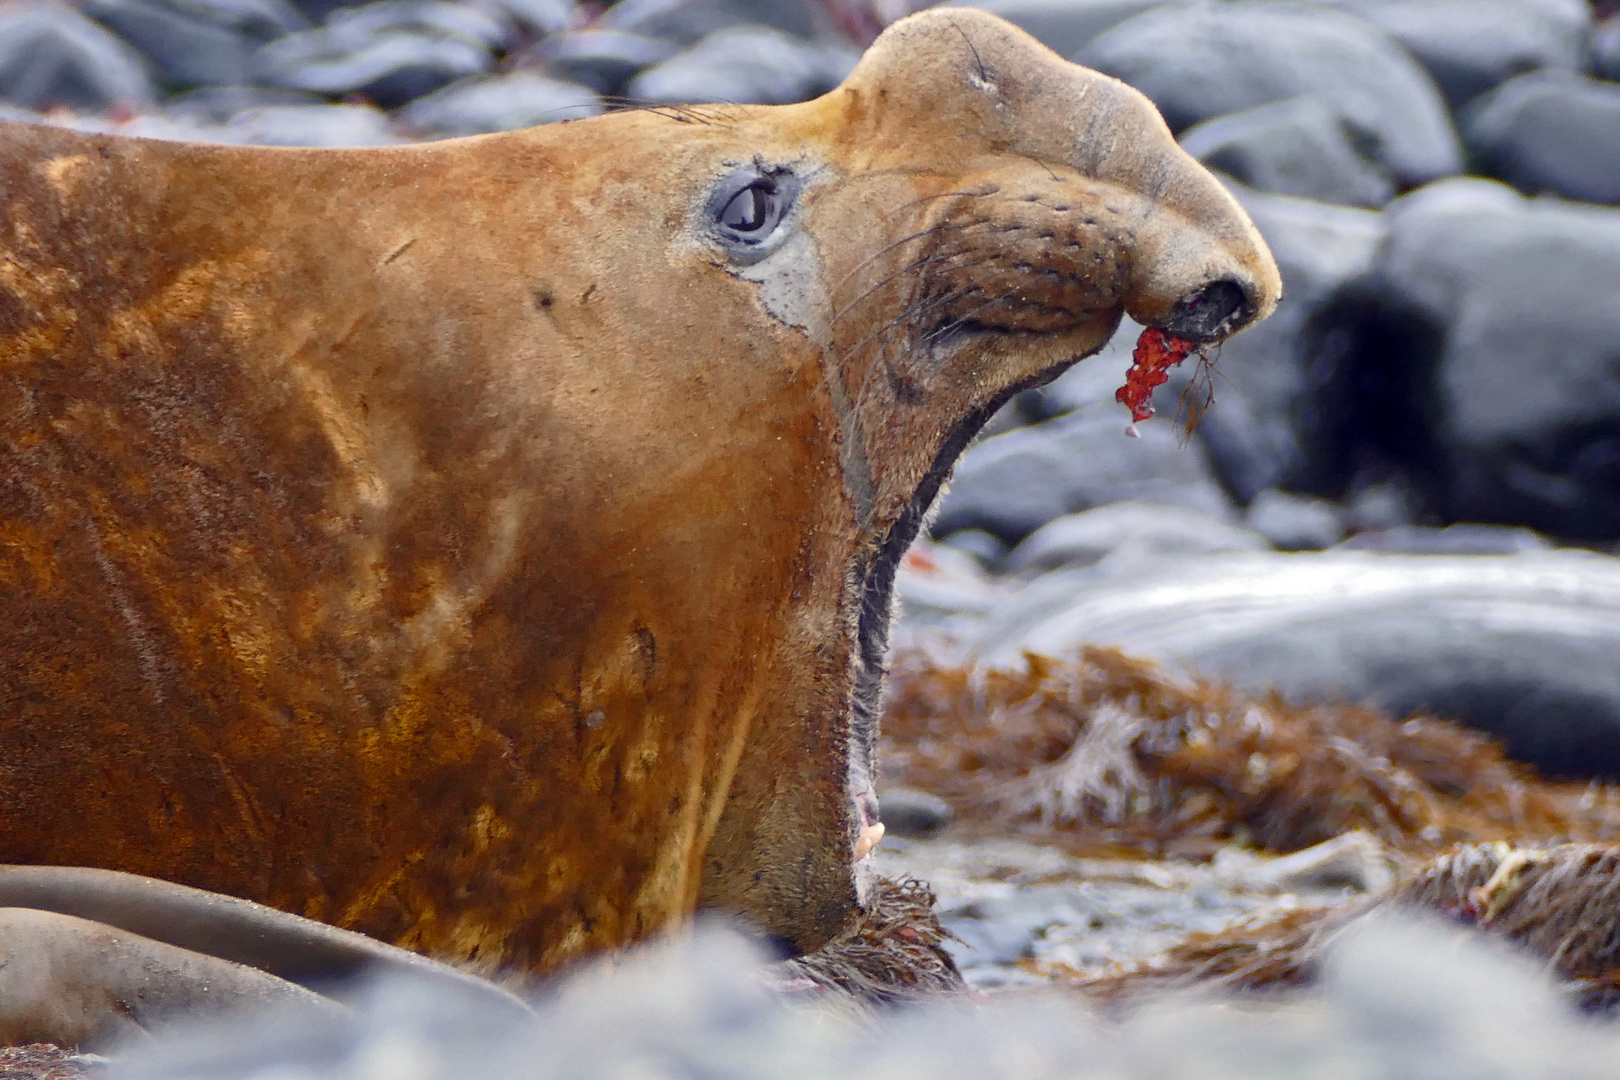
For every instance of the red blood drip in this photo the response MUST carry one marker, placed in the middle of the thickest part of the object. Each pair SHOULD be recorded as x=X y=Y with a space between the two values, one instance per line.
x=1156 y=353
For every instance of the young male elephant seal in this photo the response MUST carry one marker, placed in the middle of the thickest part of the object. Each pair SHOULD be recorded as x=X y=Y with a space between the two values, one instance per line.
x=488 y=545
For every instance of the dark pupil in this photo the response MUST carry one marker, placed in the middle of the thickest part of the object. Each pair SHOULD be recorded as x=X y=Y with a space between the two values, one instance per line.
x=746 y=210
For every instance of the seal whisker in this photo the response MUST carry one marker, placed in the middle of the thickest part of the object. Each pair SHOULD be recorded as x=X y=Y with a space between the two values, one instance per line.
x=906 y=318
x=946 y=226
x=677 y=112
x=944 y=195
x=936 y=257
x=963 y=319
x=914 y=308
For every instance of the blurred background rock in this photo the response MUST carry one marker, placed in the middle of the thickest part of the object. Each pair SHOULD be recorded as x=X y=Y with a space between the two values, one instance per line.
x=1439 y=180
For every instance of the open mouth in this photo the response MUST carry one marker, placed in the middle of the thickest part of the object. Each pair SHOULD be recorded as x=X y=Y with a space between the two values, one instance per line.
x=876 y=577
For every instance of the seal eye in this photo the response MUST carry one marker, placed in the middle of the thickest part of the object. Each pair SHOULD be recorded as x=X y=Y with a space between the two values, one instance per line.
x=748 y=209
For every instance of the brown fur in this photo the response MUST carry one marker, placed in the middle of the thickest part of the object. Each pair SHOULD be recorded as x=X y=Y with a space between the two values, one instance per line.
x=447 y=542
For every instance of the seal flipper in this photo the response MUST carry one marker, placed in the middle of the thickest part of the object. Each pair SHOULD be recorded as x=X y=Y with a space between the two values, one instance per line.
x=79 y=940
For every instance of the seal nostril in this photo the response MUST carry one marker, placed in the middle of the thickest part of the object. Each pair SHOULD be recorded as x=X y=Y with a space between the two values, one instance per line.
x=1210 y=311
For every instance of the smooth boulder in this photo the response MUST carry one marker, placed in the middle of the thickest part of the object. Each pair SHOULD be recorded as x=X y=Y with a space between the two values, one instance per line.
x=687 y=21
x=603 y=60
x=1296 y=147
x=1294 y=522
x=389 y=67
x=1470 y=46
x=1521 y=646
x=484 y=104
x=1083 y=539
x=1202 y=58
x=198 y=42
x=1550 y=131
x=1606 y=49
x=1013 y=484
x=1064 y=26
x=756 y=65
x=1510 y=310
x=50 y=55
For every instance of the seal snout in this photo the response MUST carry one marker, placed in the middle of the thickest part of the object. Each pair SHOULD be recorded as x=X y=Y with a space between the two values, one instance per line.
x=1213 y=311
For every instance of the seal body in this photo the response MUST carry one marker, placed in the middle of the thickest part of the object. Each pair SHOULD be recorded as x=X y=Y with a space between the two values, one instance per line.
x=487 y=545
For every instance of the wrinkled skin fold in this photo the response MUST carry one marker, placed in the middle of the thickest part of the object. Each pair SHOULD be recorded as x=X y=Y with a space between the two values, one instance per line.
x=479 y=546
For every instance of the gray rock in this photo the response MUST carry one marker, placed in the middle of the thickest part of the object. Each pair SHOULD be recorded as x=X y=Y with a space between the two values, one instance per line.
x=538 y=17
x=1295 y=147
x=745 y=65
x=198 y=42
x=1094 y=380
x=1470 y=46
x=489 y=103
x=1013 y=484
x=20 y=115
x=937 y=582
x=1295 y=522
x=313 y=125
x=1522 y=407
x=909 y=812
x=1451 y=540
x=1016 y=413
x=1521 y=646
x=1203 y=58
x=355 y=26
x=1606 y=49
x=603 y=60
x=1000 y=938
x=1064 y=26
x=217 y=104
x=1551 y=131
x=1082 y=539
x=1380 y=506
x=687 y=21
x=51 y=55
x=751 y=64
x=1399 y=997
x=390 y=68
x=1269 y=413
x=989 y=550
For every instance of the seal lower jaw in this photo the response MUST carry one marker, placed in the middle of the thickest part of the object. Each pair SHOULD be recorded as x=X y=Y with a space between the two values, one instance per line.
x=872 y=577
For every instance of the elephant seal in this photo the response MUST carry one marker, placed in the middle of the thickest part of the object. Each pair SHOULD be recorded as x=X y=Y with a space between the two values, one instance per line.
x=488 y=545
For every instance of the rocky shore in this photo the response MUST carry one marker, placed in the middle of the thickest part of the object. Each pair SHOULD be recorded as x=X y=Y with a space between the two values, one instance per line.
x=1400 y=492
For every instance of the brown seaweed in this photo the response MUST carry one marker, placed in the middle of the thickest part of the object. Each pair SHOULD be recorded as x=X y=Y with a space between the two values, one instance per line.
x=1108 y=752
x=1559 y=904
x=43 y=1061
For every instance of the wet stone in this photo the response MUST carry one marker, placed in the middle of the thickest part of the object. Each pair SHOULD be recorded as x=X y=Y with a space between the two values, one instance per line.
x=485 y=104
x=603 y=60
x=1201 y=59
x=1550 y=131
x=1300 y=146
x=756 y=65
x=687 y=21
x=1470 y=46
x=389 y=67
x=51 y=55
x=908 y=812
